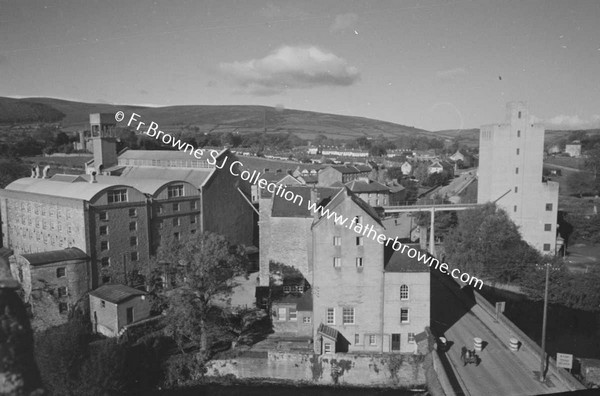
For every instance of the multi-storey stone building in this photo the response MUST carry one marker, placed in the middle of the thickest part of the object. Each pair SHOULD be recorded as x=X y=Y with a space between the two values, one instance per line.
x=510 y=173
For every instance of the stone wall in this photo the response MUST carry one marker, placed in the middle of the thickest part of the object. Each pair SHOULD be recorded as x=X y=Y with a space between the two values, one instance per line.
x=387 y=370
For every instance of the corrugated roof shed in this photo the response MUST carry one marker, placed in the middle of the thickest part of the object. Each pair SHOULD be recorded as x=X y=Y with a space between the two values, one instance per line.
x=55 y=256
x=116 y=293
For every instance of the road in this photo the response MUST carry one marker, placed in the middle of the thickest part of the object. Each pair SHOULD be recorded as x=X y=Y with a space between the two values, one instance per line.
x=501 y=372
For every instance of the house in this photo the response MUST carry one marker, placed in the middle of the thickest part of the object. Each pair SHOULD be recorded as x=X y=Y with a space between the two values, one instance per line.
x=406 y=168
x=458 y=156
x=342 y=174
x=573 y=149
x=372 y=192
x=292 y=313
x=435 y=167
x=312 y=151
x=113 y=307
x=53 y=282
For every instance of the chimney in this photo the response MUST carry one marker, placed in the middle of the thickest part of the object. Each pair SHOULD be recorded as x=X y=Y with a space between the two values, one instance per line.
x=93 y=177
x=37 y=171
x=45 y=172
x=314 y=198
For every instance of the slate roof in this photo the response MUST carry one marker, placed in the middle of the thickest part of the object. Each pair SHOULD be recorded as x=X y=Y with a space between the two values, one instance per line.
x=360 y=186
x=338 y=198
x=116 y=293
x=303 y=302
x=83 y=191
x=284 y=208
x=194 y=176
x=400 y=262
x=328 y=332
x=55 y=256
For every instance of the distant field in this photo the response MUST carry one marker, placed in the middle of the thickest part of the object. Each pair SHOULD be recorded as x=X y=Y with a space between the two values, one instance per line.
x=577 y=163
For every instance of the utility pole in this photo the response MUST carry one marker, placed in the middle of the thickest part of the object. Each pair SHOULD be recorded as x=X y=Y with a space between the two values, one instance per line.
x=543 y=358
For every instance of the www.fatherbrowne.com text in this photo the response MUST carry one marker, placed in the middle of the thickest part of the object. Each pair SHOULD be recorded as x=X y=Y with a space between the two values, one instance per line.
x=279 y=190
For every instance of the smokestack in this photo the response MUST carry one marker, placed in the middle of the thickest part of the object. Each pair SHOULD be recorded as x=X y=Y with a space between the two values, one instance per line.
x=45 y=172
x=93 y=177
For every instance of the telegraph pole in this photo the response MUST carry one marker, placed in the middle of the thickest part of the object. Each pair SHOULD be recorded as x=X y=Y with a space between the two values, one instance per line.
x=543 y=359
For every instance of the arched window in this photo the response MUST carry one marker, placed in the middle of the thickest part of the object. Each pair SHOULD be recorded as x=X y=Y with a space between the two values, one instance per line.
x=403 y=292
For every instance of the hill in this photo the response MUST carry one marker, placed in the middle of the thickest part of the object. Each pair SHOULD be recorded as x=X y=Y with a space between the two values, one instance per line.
x=15 y=111
x=202 y=118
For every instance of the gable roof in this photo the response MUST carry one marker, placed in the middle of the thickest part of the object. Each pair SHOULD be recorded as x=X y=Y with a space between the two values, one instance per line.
x=55 y=256
x=284 y=208
x=328 y=332
x=361 y=186
x=116 y=293
x=346 y=193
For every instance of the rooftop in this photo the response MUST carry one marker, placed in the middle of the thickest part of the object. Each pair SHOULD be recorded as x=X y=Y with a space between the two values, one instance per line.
x=55 y=256
x=194 y=176
x=361 y=186
x=400 y=262
x=116 y=293
x=82 y=191
x=304 y=302
x=284 y=208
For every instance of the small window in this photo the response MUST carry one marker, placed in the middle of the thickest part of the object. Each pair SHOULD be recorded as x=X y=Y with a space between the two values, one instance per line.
x=105 y=261
x=61 y=272
x=549 y=207
x=159 y=209
x=194 y=205
x=519 y=116
x=132 y=212
x=404 y=315
x=516 y=189
x=176 y=236
x=404 y=292
x=103 y=303
x=63 y=307
x=134 y=256
x=307 y=319
x=103 y=216
x=61 y=291
x=359 y=241
x=359 y=262
x=192 y=219
x=287 y=289
x=281 y=314
x=176 y=222
x=372 y=339
x=132 y=225
x=192 y=231
x=356 y=339
x=330 y=316
x=116 y=196
x=337 y=241
x=293 y=315
x=175 y=207
x=348 y=316
x=327 y=347
x=546 y=247
x=133 y=241
x=358 y=219
x=516 y=171
x=411 y=338
x=175 y=191
x=547 y=227
x=103 y=245
x=337 y=262
x=103 y=230
x=515 y=208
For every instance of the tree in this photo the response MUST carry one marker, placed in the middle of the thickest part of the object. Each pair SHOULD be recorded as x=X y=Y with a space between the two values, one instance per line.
x=11 y=170
x=206 y=265
x=488 y=243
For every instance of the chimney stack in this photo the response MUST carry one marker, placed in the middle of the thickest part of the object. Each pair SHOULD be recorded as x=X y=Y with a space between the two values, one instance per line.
x=93 y=177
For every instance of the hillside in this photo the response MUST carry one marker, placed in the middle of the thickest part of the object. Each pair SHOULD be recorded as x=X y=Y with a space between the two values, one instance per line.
x=305 y=124
x=14 y=111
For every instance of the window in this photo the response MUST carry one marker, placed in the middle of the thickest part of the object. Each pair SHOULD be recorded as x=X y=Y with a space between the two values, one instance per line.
x=358 y=219
x=159 y=209
x=518 y=151
x=331 y=316
x=60 y=272
x=516 y=189
x=194 y=205
x=327 y=347
x=516 y=171
x=105 y=261
x=116 y=196
x=133 y=226
x=102 y=303
x=337 y=262
x=281 y=314
x=359 y=262
x=515 y=208
x=549 y=207
x=104 y=245
x=372 y=339
x=337 y=241
x=519 y=116
x=411 y=338
x=132 y=212
x=192 y=219
x=404 y=315
x=62 y=307
x=175 y=191
x=176 y=236
x=175 y=207
x=61 y=291
x=134 y=256
x=377 y=202
x=404 y=292
x=359 y=241
x=133 y=241
x=287 y=289
x=546 y=247
x=356 y=339
x=348 y=315
x=307 y=319
x=103 y=230
x=547 y=227
x=293 y=315
x=176 y=222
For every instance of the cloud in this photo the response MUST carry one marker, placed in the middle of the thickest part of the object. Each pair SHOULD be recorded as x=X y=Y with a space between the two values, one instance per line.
x=290 y=68
x=343 y=22
x=450 y=74
x=571 y=122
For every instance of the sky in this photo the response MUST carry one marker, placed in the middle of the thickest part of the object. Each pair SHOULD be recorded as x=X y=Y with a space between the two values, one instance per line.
x=432 y=64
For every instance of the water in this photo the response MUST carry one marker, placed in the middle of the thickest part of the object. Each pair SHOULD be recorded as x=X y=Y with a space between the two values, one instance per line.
x=568 y=331
x=287 y=390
